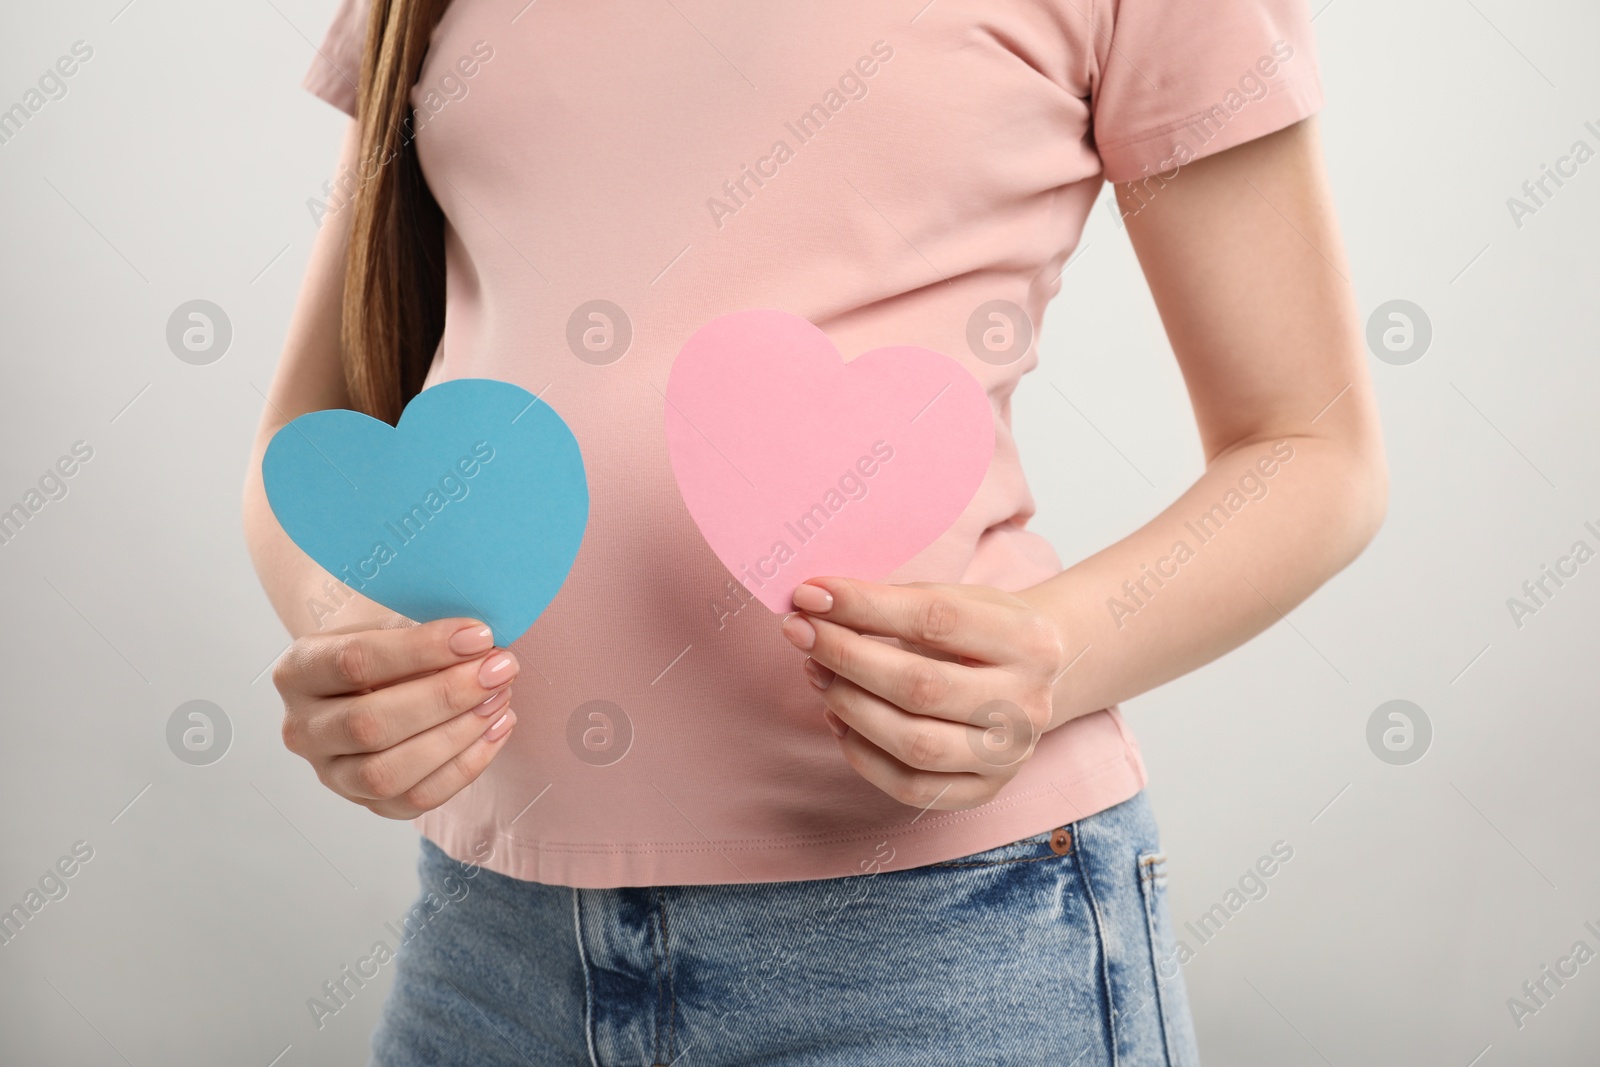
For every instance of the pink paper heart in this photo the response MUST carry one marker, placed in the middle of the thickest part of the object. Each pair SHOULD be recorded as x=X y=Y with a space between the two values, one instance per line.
x=795 y=464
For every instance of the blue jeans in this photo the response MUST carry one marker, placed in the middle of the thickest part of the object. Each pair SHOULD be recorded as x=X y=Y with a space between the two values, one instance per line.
x=1042 y=951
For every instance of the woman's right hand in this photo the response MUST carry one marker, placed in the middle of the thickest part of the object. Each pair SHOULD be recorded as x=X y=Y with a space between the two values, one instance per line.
x=399 y=717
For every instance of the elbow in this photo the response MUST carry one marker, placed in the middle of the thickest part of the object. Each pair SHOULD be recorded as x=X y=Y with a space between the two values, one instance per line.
x=255 y=513
x=252 y=493
x=1366 y=497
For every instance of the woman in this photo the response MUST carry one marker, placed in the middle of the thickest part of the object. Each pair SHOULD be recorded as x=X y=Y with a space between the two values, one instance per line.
x=905 y=823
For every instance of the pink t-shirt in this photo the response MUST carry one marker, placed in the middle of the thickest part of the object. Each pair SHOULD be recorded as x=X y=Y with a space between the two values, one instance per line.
x=883 y=170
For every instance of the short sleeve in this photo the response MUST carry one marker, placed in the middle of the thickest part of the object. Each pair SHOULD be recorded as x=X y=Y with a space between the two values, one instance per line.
x=335 y=74
x=1180 y=81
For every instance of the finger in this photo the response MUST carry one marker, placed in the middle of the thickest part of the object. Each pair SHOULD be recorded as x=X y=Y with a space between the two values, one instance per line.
x=389 y=774
x=946 y=617
x=918 y=741
x=333 y=664
x=923 y=790
x=460 y=771
x=914 y=682
x=371 y=722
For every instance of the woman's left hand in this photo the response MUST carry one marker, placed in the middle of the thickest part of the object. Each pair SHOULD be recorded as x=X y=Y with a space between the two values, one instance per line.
x=945 y=719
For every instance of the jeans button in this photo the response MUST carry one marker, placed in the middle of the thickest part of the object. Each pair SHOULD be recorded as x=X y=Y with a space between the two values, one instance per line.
x=1061 y=841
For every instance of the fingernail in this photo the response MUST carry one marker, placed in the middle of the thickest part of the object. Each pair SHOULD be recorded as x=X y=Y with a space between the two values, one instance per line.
x=812 y=598
x=817 y=674
x=800 y=632
x=501 y=727
x=495 y=702
x=472 y=639
x=497 y=670
x=835 y=723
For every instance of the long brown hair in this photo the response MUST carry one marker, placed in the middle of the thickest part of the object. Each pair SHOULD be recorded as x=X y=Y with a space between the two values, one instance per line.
x=393 y=314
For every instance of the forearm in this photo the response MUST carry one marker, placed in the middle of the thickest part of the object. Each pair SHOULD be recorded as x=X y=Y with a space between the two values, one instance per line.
x=1225 y=561
x=307 y=598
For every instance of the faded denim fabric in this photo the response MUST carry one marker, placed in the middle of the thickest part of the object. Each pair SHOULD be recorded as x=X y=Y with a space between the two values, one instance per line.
x=1042 y=951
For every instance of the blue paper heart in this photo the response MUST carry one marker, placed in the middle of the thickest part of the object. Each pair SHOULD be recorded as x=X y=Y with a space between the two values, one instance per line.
x=474 y=505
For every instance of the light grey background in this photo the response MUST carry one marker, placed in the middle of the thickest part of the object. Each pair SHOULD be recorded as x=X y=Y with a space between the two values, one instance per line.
x=1419 y=897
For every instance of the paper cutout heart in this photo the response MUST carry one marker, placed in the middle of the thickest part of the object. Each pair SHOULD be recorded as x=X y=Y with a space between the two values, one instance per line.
x=795 y=464
x=474 y=505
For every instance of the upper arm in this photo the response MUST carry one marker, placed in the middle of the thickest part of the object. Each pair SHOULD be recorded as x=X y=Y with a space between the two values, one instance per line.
x=1242 y=253
x=310 y=374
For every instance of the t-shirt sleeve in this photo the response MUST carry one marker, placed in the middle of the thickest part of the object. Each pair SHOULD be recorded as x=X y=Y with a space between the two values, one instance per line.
x=1182 y=80
x=335 y=73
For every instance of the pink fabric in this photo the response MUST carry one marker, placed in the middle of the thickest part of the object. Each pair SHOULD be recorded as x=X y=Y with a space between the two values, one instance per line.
x=604 y=151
